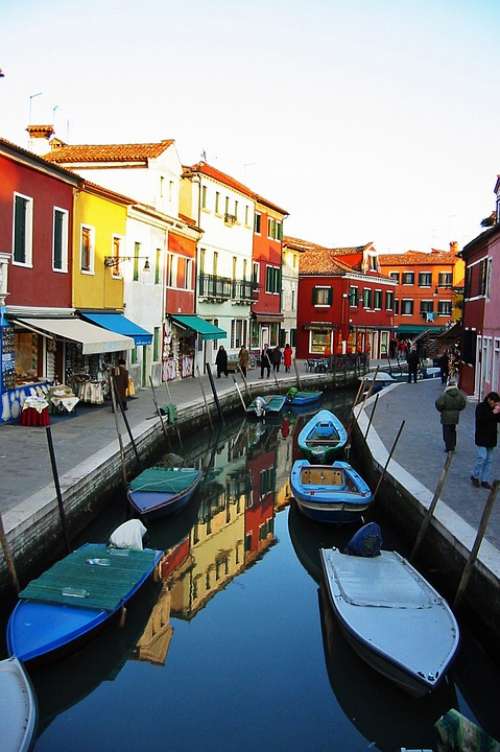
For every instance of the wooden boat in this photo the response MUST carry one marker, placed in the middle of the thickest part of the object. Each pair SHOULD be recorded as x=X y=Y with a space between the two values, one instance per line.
x=296 y=397
x=329 y=493
x=76 y=596
x=18 y=707
x=392 y=617
x=160 y=491
x=323 y=436
x=271 y=404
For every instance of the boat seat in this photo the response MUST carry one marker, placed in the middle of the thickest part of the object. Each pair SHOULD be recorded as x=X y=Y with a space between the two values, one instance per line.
x=322 y=476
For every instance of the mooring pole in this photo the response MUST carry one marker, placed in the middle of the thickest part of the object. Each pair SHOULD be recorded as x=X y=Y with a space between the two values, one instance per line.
x=382 y=474
x=207 y=408
x=247 y=390
x=371 y=415
x=120 y=441
x=8 y=557
x=158 y=410
x=299 y=387
x=432 y=506
x=175 y=423
x=55 y=476
x=488 y=508
x=127 y=426
x=240 y=395
x=214 y=392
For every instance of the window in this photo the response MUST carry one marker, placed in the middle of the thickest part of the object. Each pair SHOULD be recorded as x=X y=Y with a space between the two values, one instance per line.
x=408 y=278
x=445 y=279
x=353 y=296
x=394 y=276
x=377 y=300
x=156 y=344
x=162 y=185
x=389 y=300
x=373 y=263
x=226 y=205
x=87 y=249
x=444 y=308
x=204 y=197
x=273 y=279
x=257 y=223
x=255 y=272
x=396 y=306
x=319 y=340
x=171 y=270
x=217 y=202
x=293 y=299
x=189 y=274
x=60 y=241
x=115 y=252
x=215 y=263
x=322 y=296
x=133 y=356
x=367 y=297
x=247 y=210
x=137 y=253
x=406 y=307
x=424 y=279
x=202 y=261
x=274 y=229
x=234 y=268
x=23 y=229
x=236 y=210
x=293 y=337
x=274 y=333
x=426 y=306
x=245 y=269
x=157 y=266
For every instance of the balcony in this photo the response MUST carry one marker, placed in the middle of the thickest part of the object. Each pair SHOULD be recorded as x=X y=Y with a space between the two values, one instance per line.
x=230 y=219
x=218 y=289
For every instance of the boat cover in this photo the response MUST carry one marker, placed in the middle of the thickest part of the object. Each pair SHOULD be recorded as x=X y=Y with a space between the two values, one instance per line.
x=165 y=479
x=17 y=707
x=128 y=535
x=94 y=576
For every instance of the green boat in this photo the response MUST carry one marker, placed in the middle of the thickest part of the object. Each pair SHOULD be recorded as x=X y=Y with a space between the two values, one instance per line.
x=297 y=398
x=322 y=437
x=271 y=404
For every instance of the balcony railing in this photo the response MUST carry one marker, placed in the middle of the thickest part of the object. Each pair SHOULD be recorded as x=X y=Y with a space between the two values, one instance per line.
x=224 y=288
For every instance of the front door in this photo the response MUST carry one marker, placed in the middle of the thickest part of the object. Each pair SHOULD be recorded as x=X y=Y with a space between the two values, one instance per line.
x=264 y=336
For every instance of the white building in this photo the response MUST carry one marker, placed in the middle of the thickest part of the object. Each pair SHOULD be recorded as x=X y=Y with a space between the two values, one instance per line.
x=290 y=285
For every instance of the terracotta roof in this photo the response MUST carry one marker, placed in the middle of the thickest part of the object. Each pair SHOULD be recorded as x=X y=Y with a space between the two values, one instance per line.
x=76 y=153
x=222 y=177
x=411 y=258
x=351 y=250
x=9 y=146
x=322 y=261
x=297 y=244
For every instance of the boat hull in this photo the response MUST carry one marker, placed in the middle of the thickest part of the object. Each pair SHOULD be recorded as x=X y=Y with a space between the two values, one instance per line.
x=392 y=617
x=322 y=451
x=305 y=398
x=18 y=707
x=328 y=502
x=150 y=504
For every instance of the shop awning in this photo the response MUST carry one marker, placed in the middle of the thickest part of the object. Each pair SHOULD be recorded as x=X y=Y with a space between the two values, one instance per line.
x=204 y=328
x=417 y=328
x=268 y=318
x=319 y=325
x=117 y=322
x=92 y=338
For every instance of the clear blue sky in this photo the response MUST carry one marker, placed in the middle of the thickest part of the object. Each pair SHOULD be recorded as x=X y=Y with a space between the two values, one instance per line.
x=366 y=119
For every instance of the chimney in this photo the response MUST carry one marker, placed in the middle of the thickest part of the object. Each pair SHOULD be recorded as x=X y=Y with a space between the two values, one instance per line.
x=39 y=138
x=454 y=247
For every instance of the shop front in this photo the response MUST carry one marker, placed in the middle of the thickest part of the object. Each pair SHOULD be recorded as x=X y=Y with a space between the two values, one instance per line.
x=265 y=330
x=183 y=344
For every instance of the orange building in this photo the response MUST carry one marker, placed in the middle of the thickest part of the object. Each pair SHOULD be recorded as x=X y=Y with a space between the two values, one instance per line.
x=429 y=288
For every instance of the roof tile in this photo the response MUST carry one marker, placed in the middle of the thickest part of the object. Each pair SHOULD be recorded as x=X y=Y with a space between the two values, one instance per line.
x=76 y=153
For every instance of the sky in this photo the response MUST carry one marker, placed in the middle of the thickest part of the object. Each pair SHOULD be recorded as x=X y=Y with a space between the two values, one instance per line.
x=367 y=120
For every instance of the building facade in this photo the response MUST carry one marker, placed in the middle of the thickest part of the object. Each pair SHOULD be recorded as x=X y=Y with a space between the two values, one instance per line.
x=292 y=249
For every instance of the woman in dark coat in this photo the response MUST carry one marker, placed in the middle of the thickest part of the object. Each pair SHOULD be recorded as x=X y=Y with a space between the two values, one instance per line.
x=276 y=358
x=121 y=383
x=221 y=361
x=487 y=419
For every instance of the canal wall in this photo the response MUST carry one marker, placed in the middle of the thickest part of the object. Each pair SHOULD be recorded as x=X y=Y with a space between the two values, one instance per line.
x=403 y=500
x=33 y=527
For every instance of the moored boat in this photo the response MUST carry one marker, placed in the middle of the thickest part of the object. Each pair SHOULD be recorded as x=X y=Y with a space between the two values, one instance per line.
x=18 y=707
x=160 y=491
x=271 y=404
x=392 y=617
x=76 y=596
x=329 y=493
x=323 y=436
x=299 y=397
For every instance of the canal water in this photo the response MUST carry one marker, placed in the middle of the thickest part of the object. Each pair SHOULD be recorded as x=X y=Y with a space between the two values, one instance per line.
x=236 y=648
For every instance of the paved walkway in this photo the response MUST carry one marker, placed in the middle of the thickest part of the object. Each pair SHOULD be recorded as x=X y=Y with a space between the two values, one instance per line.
x=24 y=460
x=420 y=448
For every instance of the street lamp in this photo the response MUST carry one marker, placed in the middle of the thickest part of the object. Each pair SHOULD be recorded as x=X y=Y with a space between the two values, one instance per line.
x=115 y=261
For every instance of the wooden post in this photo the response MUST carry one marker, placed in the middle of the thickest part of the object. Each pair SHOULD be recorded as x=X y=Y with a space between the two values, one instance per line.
x=247 y=390
x=158 y=409
x=55 y=476
x=488 y=508
x=382 y=474
x=371 y=416
x=240 y=395
x=214 y=392
x=299 y=386
x=127 y=426
x=175 y=424
x=432 y=506
x=207 y=408
x=8 y=557
x=120 y=441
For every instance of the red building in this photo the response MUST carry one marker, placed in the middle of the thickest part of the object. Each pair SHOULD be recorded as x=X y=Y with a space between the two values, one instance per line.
x=259 y=513
x=344 y=304
x=266 y=273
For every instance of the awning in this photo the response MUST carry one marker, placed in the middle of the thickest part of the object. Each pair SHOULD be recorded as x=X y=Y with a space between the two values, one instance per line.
x=204 y=328
x=417 y=328
x=268 y=318
x=117 y=322
x=319 y=325
x=93 y=339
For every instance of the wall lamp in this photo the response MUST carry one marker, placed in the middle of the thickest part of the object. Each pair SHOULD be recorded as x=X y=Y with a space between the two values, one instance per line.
x=115 y=261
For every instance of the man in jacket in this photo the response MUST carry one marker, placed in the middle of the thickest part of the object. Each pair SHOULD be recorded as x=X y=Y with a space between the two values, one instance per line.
x=265 y=362
x=243 y=359
x=449 y=404
x=412 y=360
x=487 y=419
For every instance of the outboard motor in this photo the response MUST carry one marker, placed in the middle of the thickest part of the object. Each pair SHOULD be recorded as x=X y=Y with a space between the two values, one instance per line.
x=260 y=407
x=366 y=542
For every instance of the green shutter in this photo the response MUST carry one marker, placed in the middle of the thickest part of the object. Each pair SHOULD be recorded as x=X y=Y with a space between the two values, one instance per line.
x=20 y=230
x=330 y=296
x=137 y=251
x=157 y=266
x=156 y=343
x=58 y=238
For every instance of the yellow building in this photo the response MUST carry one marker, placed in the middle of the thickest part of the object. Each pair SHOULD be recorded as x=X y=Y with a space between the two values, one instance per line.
x=100 y=218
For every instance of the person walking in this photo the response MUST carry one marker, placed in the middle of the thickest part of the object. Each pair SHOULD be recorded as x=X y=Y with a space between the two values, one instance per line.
x=393 y=343
x=487 y=419
x=276 y=358
x=265 y=362
x=121 y=383
x=221 y=361
x=243 y=359
x=412 y=360
x=450 y=404
x=287 y=358
x=444 y=366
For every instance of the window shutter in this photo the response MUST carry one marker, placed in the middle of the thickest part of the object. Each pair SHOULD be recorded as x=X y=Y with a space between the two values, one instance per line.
x=314 y=296
x=330 y=295
x=58 y=232
x=20 y=230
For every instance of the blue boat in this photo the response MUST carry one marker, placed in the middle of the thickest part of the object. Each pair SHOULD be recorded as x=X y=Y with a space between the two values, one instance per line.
x=323 y=436
x=18 y=707
x=329 y=493
x=160 y=491
x=76 y=596
x=296 y=397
